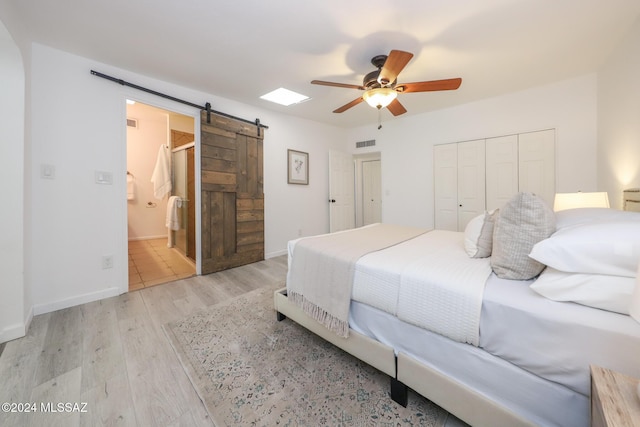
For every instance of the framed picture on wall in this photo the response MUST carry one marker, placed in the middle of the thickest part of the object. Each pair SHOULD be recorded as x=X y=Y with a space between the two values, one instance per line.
x=298 y=167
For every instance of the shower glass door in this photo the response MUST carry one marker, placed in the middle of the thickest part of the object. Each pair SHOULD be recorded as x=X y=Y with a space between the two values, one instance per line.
x=180 y=189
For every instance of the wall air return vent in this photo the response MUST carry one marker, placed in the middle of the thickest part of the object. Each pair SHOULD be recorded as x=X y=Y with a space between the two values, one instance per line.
x=132 y=123
x=369 y=143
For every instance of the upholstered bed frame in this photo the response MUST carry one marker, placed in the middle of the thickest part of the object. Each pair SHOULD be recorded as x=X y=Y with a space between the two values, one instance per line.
x=406 y=372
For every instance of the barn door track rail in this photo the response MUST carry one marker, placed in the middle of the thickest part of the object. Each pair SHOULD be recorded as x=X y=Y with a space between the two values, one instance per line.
x=206 y=107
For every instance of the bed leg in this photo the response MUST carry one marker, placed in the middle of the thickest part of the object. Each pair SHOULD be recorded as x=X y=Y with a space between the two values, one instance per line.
x=399 y=392
x=280 y=317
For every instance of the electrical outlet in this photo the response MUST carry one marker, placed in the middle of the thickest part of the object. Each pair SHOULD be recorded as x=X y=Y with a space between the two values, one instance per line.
x=107 y=261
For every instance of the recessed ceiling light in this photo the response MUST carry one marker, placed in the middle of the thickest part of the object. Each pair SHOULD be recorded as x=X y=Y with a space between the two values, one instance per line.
x=284 y=97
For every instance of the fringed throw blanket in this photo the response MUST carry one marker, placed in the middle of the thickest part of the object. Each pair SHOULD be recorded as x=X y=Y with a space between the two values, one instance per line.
x=321 y=270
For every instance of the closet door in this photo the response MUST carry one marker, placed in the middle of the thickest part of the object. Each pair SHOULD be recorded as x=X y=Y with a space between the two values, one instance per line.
x=536 y=153
x=232 y=194
x=471 y=181
x=445 y=167
x=502 y=170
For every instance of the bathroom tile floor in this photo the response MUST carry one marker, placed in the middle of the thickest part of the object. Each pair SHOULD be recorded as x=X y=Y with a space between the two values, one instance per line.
x=151 y=263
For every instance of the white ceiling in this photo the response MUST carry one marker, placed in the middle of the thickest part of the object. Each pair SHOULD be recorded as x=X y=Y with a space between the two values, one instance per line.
x=243 y=49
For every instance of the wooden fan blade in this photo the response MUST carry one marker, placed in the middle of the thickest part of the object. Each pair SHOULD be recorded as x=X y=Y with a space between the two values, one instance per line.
x=396 y=61
x=345 y=107
x=344 y=85
x=430 y=86
x=396 y=107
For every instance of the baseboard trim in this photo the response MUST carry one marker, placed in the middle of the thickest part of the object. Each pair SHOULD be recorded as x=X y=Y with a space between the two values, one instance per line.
x=13 y=332
x=18 y=330
x=76 y=300
x=275 y=254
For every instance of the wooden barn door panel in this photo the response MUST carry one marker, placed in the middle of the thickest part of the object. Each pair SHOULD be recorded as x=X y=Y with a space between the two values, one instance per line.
x=232 y=194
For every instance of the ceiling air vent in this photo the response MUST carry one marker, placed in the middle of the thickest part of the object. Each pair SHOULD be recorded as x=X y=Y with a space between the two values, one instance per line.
x=369 y=143
x=132 y=123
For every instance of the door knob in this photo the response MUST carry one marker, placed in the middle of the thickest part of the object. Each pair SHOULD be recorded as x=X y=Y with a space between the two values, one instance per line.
x=332 y=200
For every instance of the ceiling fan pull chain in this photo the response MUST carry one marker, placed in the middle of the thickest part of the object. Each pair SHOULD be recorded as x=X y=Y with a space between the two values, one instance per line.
x=379 y=119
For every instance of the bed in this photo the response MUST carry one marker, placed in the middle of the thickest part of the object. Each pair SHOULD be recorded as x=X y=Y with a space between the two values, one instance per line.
x=518 y=356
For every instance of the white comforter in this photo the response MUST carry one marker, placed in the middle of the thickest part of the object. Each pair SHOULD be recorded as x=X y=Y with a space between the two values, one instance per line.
x=428 y=281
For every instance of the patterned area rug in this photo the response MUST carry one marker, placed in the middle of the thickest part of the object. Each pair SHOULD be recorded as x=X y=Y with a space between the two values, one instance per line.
x=250 y=369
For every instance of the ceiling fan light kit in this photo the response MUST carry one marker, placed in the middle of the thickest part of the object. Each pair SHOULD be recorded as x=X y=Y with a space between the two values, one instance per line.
x=381 y=88
x=380 y=98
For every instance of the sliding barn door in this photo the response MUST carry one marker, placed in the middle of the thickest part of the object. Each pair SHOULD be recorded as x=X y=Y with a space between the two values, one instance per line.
x=232 y=193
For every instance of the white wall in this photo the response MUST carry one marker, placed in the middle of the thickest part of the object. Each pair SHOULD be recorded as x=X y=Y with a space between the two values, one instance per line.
x=619 y=119
x=14 y=314
x=78 y=126
x=406 y=144
x=296 y=210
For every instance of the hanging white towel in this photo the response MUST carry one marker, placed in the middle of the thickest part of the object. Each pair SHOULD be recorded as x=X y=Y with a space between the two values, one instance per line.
x=172 y=213
x=161 y=177
x=130 y=187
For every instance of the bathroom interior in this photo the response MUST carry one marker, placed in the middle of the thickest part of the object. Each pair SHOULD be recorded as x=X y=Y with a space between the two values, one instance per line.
x=160 y=195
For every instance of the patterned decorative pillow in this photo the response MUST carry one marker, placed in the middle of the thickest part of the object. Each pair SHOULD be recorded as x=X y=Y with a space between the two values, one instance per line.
x=478 y=235
x=523 y=221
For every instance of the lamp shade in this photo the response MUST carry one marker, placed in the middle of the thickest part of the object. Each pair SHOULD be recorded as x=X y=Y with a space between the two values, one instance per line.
x=634 y=308
x=565 y=201
x=380 y=97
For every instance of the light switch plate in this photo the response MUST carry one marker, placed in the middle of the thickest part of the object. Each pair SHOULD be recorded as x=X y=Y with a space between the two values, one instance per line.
x=47 y=171
x=103 y=177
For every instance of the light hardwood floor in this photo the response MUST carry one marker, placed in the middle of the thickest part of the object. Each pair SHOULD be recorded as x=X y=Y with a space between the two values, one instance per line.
x=113 y=355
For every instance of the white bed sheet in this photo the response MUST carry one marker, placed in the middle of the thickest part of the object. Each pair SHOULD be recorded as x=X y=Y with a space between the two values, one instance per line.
x=556 y=340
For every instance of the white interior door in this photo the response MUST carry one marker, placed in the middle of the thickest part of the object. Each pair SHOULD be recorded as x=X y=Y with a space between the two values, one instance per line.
x=445 y=167
x=371 y=192
x=471 y=181
x=341 y=191
x=502 y=170
x=536 y=152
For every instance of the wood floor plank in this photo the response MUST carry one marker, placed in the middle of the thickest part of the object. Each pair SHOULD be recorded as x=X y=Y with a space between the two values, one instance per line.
x=62 y=345
x=157 y=400
x=130 y=305
x=64 y=389
x=109 y=404
x=103 y=356
x=17 y=368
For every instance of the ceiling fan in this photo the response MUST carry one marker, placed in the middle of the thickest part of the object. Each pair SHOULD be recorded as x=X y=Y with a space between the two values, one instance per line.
x=381 y=86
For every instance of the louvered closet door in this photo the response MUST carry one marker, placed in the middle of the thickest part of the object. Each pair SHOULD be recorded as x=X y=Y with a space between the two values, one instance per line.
x=232 y=194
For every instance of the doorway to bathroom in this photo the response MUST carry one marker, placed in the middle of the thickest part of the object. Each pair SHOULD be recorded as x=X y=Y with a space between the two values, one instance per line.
x=161 y=196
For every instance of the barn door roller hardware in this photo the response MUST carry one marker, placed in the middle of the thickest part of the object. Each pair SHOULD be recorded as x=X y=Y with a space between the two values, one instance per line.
x=206 y=107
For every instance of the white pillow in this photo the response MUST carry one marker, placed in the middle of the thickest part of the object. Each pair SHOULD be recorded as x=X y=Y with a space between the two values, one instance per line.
x=610 y=293
x=478 y=235
x=599 y=247
x=571 y=217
